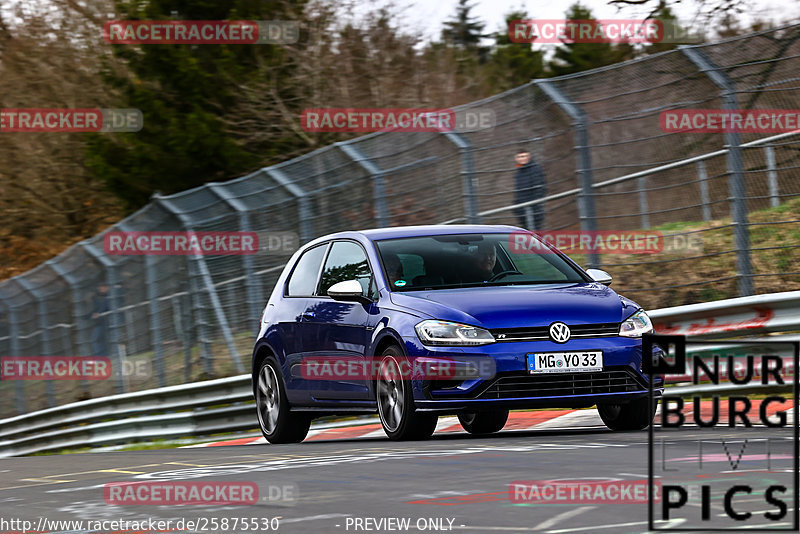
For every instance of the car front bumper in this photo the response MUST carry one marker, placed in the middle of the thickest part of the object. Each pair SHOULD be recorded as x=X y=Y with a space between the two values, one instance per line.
x=504 y=381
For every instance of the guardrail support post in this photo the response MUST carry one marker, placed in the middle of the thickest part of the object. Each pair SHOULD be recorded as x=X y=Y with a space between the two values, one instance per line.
x=151 y=280
x=152 y=312
x=705 y=201
x=644 y=209
x=82 y=341
x=772 y=176
x=114 y=305
x=378 y=180
x=41 y=314
x=13 y=335
x=468 y=181
x=735 y=167
x=580 y=122
x=205 y=275
x=255 y=293
x=303 y=203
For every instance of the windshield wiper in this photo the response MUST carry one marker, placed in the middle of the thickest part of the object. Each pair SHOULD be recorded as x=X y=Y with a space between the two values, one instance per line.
x=495 y=284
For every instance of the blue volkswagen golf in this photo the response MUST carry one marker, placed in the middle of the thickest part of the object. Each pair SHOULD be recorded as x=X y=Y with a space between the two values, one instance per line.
x=417 y=322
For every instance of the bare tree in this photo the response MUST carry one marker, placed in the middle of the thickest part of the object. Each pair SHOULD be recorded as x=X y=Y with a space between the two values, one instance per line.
x=50 y=57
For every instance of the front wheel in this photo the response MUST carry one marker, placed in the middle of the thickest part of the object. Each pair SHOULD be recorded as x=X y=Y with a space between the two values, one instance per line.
x=395 y=400
x=277 y=423
x=634 y=415
x=486 y=422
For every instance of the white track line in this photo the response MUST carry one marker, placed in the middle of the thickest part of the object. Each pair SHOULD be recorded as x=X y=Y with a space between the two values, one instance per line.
x=579 y=418
x=553 y=521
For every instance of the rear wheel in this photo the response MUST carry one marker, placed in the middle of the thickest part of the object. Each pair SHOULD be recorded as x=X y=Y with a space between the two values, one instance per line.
x=395 y=400
x=277 y=423
x=635 y=415
x=484 y=422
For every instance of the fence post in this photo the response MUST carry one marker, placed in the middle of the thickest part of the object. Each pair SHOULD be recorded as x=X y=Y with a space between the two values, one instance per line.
x=580 y=122
x=41 y=315
x=705 y=201
x=255 y=292
x=378 y=180
x=154 y=312
x=114 y=306
x=82 y=341
x=772 y=176
x=303 y=205
x=13 y=339
x=644 y=209
x=205 y=275
x=468 y=181
x=735 y=168
x=154 y=316
x=3 y=404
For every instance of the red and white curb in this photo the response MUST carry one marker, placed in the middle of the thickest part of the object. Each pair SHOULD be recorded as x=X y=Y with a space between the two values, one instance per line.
x=518 y=421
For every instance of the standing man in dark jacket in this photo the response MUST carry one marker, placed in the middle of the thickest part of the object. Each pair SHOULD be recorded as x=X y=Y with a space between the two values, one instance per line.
x=529 y=184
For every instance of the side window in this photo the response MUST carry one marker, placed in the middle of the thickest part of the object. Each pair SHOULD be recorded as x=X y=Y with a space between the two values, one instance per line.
x=304 y=277
x=347 y=261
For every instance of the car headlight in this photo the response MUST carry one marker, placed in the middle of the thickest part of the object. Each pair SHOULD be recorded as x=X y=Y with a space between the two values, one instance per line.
x=636 y=325
x=432 y=332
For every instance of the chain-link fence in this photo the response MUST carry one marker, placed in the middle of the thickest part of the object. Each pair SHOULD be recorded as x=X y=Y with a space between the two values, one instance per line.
x=608 y=166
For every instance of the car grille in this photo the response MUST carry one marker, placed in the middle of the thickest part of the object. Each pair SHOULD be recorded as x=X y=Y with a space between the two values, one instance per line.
x=532 y=333
x=562 y=385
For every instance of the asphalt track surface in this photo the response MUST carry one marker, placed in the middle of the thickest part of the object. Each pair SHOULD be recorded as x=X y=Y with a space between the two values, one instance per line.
x=453 y=482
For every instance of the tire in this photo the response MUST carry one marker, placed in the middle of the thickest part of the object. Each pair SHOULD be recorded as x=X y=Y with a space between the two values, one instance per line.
x=395 y=401
x=277 y=423
x=635 y=415
x=483 y=422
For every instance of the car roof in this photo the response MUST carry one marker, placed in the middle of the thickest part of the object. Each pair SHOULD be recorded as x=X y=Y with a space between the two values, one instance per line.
x=376 y=234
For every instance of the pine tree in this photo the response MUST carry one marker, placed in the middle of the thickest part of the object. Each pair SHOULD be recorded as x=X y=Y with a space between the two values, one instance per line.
x=465 y=32
x=576 y=57
x=513 y=64
x=183 y=92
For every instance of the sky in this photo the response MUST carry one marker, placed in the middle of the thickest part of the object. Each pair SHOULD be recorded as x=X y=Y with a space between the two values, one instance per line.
x=428 y=15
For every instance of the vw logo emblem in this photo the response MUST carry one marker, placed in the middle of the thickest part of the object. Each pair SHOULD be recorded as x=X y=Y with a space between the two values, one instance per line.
x=559 y=332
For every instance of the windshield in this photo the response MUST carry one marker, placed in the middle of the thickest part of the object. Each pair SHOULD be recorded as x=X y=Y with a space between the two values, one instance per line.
x=469 y=260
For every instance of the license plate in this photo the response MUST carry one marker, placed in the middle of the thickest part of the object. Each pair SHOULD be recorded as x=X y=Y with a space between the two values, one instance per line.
x=565 y=362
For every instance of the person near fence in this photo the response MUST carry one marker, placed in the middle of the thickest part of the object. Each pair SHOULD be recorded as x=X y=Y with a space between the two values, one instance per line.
x=529 y=184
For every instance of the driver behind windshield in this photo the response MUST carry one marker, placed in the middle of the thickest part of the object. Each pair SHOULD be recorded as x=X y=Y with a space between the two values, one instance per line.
x=481 y=262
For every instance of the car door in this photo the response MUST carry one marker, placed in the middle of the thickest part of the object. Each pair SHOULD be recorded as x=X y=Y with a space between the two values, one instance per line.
x=300 y=286
x=339 y=330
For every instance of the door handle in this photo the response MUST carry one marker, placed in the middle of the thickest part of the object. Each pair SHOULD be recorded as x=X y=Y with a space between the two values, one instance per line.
x=308 y=315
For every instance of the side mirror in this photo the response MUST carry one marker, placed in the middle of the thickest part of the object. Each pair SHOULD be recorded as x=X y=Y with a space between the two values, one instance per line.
x=349 y=290
x=599 y=276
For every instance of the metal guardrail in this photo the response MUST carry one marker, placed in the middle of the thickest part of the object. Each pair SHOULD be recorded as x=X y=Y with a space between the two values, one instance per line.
x=776 y=312
x=226 y=405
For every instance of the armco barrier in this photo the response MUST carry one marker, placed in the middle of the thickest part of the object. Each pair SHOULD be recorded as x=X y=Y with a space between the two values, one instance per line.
x=776 y=312
x=225 y=405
